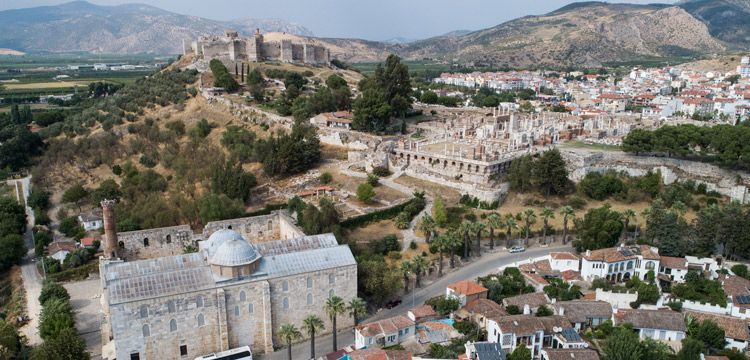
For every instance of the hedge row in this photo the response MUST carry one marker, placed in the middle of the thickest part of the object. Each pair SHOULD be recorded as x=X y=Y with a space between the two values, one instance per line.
x=267 y=210
x=417 y=203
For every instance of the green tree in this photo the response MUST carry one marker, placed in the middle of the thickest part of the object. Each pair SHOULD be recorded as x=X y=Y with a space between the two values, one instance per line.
x=56 y=316
x=289 y=333
x=529 y=218
x=627 y=215
x=567 y=214
x=547 y=214
x=494 y=222
x=711 y=335
x=53 y=290
x=214 y=207
x=440 y=244
x=550 y=173
x=312 y=324
x=520 y=174
x=365 y=193
x=543 y=311
x=232 y=181
x=406 y=270
x=691 y=349
x=67 y=345
x=356 y=308
x=12 y=250
x=75 y=194
x=520 y=353
x=623 y=344
x=12 y=345
x=420 y=266
x=599 y=228
x=439 y=213
x=740 y=270
x=326 y=178
x=334 y=307
x=427 y=225
x=665 y=228
x=108 y=189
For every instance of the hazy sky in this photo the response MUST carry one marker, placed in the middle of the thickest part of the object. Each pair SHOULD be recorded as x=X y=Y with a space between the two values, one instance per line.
x=369 y=19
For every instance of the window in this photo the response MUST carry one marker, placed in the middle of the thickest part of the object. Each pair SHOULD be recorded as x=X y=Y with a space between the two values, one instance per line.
x=331 y=293
x=169 y=239
x=172 y=325
x=630 y=265
x=145 y=242
x=286 y=303
x=650 y=265
x=250 y=308
x=199 y=301
x=309 y=299
x=146 y=330
x=610 y=268
x=236 y=311
x=170 y=306
x=400 y=333
x=243 y=296
x=285 y=286
x=270 y=225
x=331 y=279
x=662 y=334
x=392 y=338
x=135 y=356
x=144 y=311
x=406 y=331
x=201 y=320
x=309 y=282
x=183 y=350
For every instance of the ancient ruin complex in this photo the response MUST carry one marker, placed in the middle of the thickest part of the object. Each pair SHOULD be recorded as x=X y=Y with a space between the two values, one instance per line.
x=232 y=47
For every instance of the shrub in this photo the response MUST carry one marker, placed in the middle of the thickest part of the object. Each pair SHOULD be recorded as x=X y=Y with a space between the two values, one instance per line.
x=373 y=180
x=576 y=202
x=53 y=290
x=413 y=245
x=395 y=255
x=326 y=178
x=381 y=171
x=365 y=193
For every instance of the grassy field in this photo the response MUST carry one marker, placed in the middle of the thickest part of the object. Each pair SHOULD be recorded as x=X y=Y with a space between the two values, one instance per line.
x=45 y=85
x=582 y=145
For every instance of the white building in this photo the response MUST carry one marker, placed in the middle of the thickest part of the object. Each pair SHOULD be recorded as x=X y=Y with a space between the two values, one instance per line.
x=563 y=261
x=90 y=221
x=620 y=263
x=736 y=330
x=660 y=325
x=533 y=332
x=383 y=333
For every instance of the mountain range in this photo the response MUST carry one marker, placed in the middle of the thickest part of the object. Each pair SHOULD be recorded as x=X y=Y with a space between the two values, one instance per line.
x=581 y=34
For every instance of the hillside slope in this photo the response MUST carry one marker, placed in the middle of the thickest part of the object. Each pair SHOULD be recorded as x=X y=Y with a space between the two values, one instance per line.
x=728 y=20
x=584 y=34
x=130 y=28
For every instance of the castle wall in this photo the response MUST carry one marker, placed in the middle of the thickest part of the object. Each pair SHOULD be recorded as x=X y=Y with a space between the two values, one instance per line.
x=256 y=229
x=271 y=51
x=217 y=49
x=233 y=48
x=152 y=243
x=286 y=51
x=298 y=52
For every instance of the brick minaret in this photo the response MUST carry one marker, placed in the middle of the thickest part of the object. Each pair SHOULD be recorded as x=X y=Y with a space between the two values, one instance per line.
x=110 y=229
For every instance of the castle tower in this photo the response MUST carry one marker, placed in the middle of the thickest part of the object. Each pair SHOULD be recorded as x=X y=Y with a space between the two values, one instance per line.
x=110 y=229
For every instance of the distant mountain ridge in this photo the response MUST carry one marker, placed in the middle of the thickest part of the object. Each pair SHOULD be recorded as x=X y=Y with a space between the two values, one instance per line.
x=128 y=28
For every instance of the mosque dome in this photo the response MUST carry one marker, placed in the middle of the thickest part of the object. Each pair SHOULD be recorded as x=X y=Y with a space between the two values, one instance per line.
x=218 y=238
x=235 y=251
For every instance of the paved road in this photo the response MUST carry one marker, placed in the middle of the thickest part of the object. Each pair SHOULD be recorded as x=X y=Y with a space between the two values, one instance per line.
x=488 y=263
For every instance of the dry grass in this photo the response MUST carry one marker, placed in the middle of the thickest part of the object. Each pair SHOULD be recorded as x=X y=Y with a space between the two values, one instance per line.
x=449 y=195
x=13 y=302
x=46 y=85
x=374 y=231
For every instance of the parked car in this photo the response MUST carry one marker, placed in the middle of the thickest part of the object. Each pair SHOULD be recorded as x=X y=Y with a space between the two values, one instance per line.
x=517 y=249
x=392 y=304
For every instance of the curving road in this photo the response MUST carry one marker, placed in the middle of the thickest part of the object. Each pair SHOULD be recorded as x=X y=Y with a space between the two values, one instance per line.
x=487 y=264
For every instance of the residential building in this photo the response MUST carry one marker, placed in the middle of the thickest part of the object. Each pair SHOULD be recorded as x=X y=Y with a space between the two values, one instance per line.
x=376 y=354
x=584 y=314
x=422 y=313
x=478 y=311
x=528 y=303
x=620 y=263
x=564 y=261
x=90 y=221
x=736 y=331
x=569 y=354
x=662 y=325
x=466 y=291
x=533 y=332
x=60 y=249
x=483 y=351
x=383 y=333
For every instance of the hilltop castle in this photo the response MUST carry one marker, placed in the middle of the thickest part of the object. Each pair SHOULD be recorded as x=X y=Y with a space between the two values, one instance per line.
x=232 y=47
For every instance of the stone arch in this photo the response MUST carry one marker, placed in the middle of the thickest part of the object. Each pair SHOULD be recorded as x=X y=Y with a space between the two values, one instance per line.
x=170 y=306
x=243 y=296
x=630 y=264
x=146 y=330
x=172 y=325
x=285 y=303
x=309 y=282
x=169 y=239
x=201 y=320
x=270 y=225
x=144 y=311
x=229 y=227
x=309 y=299
x=145 y=242
x=626 y=276
x=199 y=301
x=250 y=308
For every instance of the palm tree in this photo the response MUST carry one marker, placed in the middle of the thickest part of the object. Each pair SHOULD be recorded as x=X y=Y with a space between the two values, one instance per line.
x=289 y=333
x=427 y=225
x=465 y=228
x=529 y=218
x=334 y=306
x=312 y=324
x=356 y=307
x=493 y=222
x=479 y=229
x=627 y=215
x=420 y=266
x=441 y=244
x=406 y=269
x=547 y=214
x=454 y=241
x=567 y=213
x=510 y=225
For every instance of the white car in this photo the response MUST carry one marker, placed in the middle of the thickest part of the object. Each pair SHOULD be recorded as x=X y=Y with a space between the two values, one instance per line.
x=517 y=249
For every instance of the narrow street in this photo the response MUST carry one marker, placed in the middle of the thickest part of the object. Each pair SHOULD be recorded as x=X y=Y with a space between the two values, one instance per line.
x=487 y=264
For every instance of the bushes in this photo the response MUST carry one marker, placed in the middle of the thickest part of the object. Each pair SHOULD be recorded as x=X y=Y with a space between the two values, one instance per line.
x=365 y=193
x=222 y=78
x=443 y=305
x=414 y=206
x=53 y=290
x=473 y=201
x=385 y=245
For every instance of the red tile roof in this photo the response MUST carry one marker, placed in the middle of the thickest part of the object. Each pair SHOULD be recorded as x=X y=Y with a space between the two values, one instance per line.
x=423 y=311
x=673 y=262
x=563 y=256
x=87 y=241
x=616 y=254
x=467 y=287
x=386 y=326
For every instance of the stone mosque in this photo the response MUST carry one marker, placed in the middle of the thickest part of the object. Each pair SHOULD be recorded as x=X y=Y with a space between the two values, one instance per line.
x=237 y=290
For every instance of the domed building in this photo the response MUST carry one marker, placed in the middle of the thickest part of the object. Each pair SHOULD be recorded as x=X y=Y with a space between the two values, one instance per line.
x=232 y=292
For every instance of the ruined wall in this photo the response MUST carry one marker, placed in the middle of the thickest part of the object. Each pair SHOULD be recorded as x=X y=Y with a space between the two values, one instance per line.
x=352 y=140
x=733 y=184
x=298 y=52
x=258 y=228
x=286 y=51
x=216 y=49
x=271 y=51
x=152 y=243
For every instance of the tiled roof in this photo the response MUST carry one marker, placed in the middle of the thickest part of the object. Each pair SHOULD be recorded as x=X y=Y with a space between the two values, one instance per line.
x=734 y=328
x=579 y=311
x=485 y=307
x=379 y=354
x=616 y=254
x=87 y=241
x=385 y=327
x=541 y=265
x=467 y=287
x=522 y=325
x=534 y=300
x=563 y=256
x=735 y=286
x=423 y=311
x=569 y=275
x=571 y=354
x=61 y=245
x=673 y=262
x=535 y=278
x=651 y=319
